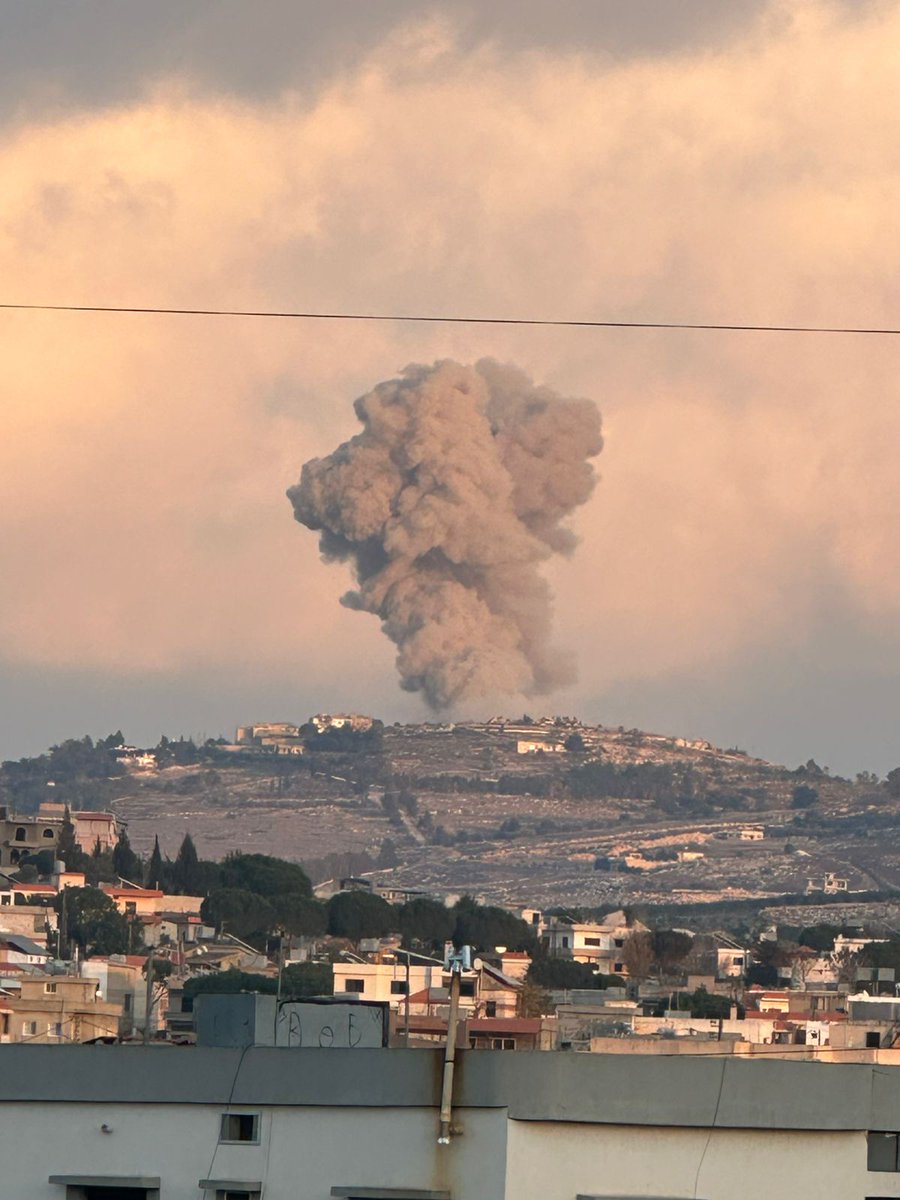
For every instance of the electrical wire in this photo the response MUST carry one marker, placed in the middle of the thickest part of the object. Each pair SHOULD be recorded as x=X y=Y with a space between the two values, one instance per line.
x=712 y=1126
x=553 y=323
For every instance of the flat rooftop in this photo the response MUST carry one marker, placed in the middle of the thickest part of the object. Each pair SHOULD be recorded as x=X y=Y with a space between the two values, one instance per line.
x=539 y=1086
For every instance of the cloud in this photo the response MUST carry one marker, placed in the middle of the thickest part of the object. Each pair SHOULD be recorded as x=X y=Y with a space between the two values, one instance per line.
x=746 y=477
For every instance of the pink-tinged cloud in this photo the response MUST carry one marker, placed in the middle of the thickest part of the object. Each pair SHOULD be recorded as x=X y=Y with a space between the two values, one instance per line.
x=746 y=477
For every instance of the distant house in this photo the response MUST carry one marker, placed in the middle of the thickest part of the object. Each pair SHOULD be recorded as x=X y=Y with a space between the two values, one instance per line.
x=528 y=746
x=354 y=721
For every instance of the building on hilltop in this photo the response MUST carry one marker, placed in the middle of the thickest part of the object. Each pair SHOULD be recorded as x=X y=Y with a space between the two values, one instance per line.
x=353 y=721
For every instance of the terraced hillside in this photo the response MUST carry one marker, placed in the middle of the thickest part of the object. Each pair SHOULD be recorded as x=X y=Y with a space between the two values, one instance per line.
x=620 y=816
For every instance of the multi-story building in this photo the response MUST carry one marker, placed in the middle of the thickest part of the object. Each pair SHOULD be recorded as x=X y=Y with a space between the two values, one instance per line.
x=600 y=944
x=23 y=835
x=57 y=1009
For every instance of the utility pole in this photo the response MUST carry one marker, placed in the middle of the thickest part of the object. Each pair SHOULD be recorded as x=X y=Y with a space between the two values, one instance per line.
x=457 y=962
x=148 y=998
x=406 y=1006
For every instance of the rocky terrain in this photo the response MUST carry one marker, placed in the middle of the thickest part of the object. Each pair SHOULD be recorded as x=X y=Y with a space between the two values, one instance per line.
x=620 y=817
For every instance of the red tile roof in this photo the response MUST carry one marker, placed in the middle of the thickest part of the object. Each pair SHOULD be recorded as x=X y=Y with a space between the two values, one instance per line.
x=506 y=1025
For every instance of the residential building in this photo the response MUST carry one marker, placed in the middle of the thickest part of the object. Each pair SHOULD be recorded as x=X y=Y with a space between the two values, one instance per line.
x=60 y=1008
x=136 y=1123
x=600 y=944
x=532 y=746
x=21 y=835
x=355 y=721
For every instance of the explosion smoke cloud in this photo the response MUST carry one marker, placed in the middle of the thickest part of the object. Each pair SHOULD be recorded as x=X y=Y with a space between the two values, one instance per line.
x=446 y=504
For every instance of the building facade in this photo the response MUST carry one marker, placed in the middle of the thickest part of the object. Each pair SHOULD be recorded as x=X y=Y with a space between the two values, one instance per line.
x=146 y=1123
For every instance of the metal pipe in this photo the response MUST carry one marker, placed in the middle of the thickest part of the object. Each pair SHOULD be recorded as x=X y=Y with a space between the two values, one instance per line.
x=449 y=1060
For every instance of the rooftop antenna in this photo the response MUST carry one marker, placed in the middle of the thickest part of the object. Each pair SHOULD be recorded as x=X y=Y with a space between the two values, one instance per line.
x=455 y=961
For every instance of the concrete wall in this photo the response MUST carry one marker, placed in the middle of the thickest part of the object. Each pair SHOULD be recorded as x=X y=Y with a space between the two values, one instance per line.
x=301 y=1155
x=529 y=1126
x=558 y=1162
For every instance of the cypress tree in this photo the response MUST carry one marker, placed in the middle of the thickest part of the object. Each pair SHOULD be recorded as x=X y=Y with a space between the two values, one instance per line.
x=126 y=863
x=155 y=866
x=185 y=873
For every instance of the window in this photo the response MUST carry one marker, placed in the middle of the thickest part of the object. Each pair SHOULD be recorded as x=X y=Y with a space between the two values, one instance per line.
x=239 y=1127
x=565 y=942
x=503 y=1043
x=48 y=833
x=20 y=834
x=467 y=987
x=398 y=987
x=49 y=988
x=354 y=985
x=738 y=960
x=490 y=1008
x=592 y=941
x=29 y=1028
x=618 y=943
x=873 y=1039
x=56 y=1029
x=618 y=968
x=882 y=1151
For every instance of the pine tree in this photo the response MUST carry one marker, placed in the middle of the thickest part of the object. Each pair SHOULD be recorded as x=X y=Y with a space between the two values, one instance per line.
x=126 y=863
x=155 y=866
x=67 y=848
x=185 y=873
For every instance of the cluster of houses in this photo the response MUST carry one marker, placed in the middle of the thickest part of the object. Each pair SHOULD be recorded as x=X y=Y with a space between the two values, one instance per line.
x=824 y=1001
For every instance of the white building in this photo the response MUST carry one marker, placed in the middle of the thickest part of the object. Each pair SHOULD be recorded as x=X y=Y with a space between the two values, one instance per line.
x=246 y=1122
x=600 y=944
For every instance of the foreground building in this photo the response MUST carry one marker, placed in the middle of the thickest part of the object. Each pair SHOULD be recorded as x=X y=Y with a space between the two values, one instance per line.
x=154 y=1123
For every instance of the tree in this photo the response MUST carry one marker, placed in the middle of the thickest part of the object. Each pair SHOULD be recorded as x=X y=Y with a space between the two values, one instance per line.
x=67 y=848
x=484 y=927
x=155 y=868
x=186 y=875
x=803 y=796
x=533 y=1001
x=356 y=915
x=426 y=924
x=637 y=955
x=93 y=922
x=300 y=915
x=707 y=1005
x=562 y=974
x=670 y=949
x=126 y=863
x=265 y=875
x=574 y=743
x=892 y=783
x=245 y=914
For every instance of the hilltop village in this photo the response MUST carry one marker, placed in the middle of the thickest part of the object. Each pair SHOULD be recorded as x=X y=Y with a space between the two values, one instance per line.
x=614 y=888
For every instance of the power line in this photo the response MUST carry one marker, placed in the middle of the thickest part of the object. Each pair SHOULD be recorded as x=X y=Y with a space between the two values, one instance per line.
x=703 y=327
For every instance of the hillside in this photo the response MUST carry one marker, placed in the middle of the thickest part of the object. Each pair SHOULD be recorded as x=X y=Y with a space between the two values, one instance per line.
x=622 y=817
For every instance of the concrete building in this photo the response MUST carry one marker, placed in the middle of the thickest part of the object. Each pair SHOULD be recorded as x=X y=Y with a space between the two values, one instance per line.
x=600 y=944
x=135 y=1123
x=21 y=835
x=57 y=1009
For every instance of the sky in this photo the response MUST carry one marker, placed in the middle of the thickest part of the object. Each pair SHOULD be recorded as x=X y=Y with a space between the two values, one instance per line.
x=737 y=576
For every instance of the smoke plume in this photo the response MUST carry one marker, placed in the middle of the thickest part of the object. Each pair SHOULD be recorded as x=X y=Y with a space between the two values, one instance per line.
x=445 y=505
